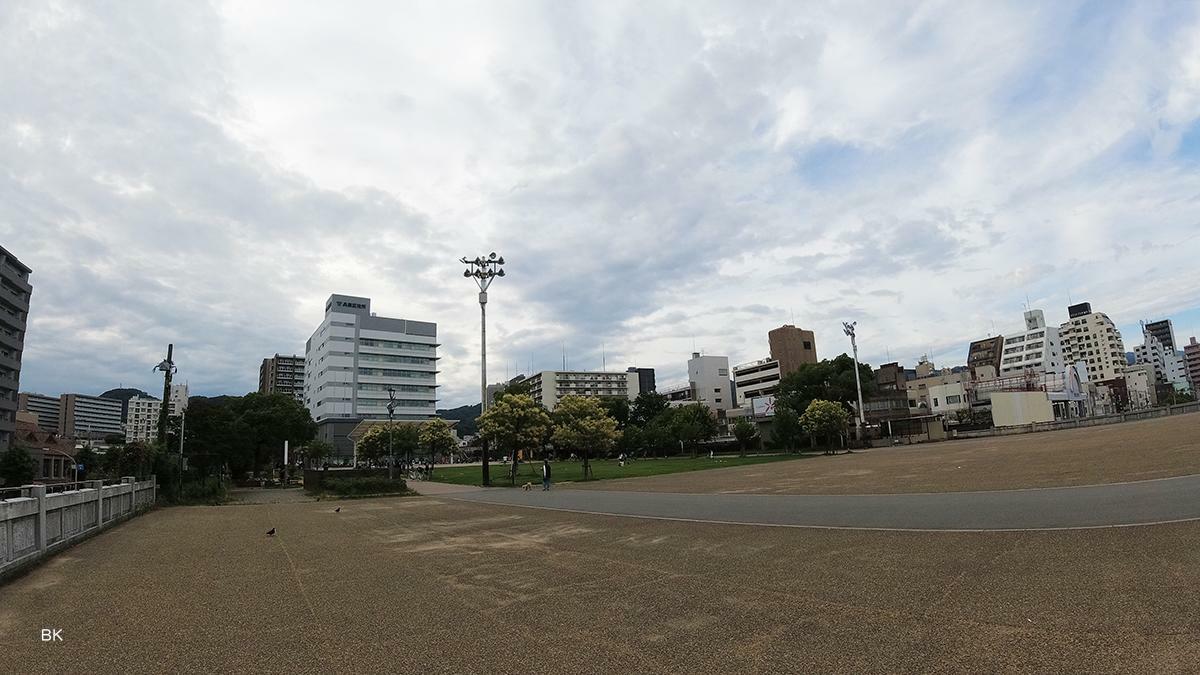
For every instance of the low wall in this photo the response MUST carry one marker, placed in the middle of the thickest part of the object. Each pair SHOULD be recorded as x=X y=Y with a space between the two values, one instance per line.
x=1098 y=420
x=37 y=524
x=313 y=477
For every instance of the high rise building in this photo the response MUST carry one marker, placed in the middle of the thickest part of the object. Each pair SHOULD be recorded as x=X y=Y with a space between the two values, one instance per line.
x=1037 y=348
x=354 y=357
x=646 y=381
x=1093 y=339
x=46 y=408
x=282 y=375
x=983 y=358
x=14 y=314
x=91 y=417
x=1164 y=332
x=1191 y=361
x=548 y=386
x=1169 y=367
x=792 y=347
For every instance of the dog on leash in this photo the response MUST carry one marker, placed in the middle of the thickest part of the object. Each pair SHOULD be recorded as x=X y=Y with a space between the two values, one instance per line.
x=527 y=487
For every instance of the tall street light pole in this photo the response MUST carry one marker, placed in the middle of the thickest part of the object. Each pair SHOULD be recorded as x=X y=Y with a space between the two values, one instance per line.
x=168 y=369
x=391 y=407
x=861 y=422
x=483 y=270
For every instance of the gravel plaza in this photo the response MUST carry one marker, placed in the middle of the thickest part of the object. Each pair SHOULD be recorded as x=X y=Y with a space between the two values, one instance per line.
x=437 y=584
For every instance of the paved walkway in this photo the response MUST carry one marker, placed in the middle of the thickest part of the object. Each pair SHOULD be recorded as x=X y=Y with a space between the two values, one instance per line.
x=1113 y=505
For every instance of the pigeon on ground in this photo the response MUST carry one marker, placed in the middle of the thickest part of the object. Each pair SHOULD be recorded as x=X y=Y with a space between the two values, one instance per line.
x=271 y=532
x=338 y=510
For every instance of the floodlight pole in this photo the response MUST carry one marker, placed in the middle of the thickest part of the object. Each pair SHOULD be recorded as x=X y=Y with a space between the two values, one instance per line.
x=483 y=269
x=861 y=422
x=168 y=369
x=391 y=408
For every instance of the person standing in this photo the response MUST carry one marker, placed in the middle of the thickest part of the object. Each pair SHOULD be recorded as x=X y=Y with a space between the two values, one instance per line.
x=545 y=475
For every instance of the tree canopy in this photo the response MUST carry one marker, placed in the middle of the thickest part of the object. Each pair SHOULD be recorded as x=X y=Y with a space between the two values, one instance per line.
x=245 y=433
x=437 y=438
x=825 y=419
x=374 y=444
x=17 y=467
x=515 y=424
x=827 y=380
x=583 y=425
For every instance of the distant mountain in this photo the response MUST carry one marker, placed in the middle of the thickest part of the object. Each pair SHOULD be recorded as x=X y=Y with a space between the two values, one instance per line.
x=465 y=415
x=123 y=395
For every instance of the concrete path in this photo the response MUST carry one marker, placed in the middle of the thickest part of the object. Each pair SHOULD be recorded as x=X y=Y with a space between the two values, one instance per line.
x=1113 y=505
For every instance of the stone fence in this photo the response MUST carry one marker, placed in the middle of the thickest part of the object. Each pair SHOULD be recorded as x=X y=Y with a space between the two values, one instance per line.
x=45 y=519
x=1098 y=420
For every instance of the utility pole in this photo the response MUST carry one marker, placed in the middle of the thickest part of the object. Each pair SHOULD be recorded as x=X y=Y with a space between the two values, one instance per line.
x=861 y=422
x=168 y=369
x=483 y=270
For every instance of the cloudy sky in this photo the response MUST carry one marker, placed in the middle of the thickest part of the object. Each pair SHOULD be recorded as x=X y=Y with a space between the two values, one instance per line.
x=659 y=176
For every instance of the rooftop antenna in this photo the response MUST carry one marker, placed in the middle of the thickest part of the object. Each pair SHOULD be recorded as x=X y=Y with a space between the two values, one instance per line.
x=603 y=359
x=564 y=350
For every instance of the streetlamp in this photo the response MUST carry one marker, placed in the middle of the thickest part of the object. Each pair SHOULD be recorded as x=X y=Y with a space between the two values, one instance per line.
x=483 y=270
x=861 y=422
x=391 y=408
x=168 y=369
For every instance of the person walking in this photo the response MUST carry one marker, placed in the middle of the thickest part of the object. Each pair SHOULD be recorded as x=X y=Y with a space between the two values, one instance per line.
x=545 y=475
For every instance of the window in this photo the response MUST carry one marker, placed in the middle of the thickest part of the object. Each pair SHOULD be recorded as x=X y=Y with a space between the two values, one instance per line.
x=935 y=402
x=954 y=398
x=717 y=390
x=807 y=344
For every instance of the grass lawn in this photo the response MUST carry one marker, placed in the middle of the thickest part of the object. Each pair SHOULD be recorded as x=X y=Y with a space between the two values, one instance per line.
x=601 y=469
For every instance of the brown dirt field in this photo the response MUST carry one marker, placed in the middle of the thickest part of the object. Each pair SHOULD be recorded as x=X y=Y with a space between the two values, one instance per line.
x=432 y=585
x=1157 y=448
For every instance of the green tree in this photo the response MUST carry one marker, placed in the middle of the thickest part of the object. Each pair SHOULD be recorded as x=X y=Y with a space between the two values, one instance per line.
x=90 y=461
x=746 y=433
x=826 y=380
x=646 y=408
x=581 y=424
x=515 y=424
x=374 y=445
x=825 y=419
x=518 y=388
x=437 y=438
x=132 y=459
x=691 y=424
x=17 y=467
x=267 y=420
x=316 y=451
x=785 y=428
x=618 y=408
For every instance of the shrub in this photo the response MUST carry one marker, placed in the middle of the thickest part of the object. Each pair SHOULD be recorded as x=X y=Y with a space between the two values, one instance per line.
x=349 y=487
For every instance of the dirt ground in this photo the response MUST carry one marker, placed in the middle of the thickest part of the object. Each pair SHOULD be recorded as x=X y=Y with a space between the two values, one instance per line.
x=432 y=585
x=1157 y=448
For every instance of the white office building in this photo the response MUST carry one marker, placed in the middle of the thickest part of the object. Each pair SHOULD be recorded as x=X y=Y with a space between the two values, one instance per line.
x=1036 y=349
x=354 y=357
x=1092 y=338
x=549 y=386
x=755 y=379
x=709 y=378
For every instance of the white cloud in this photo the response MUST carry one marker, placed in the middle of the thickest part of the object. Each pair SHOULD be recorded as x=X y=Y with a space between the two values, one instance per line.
x=209 y=176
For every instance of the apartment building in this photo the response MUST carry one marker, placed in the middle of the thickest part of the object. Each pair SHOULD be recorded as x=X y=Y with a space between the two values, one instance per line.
x=984 y=356
x=756 y=379
x=1169 y=367
x=549 y=386
x=1191 y=361
x=282 y=375
x=1092 y=338
x=645 y=377
x=142 y=413
x=792 y=347
x=1164 y=332
x=1038 y=348
x=91 y=417
x=46 y=408
x=354 y=357
x=15 y=293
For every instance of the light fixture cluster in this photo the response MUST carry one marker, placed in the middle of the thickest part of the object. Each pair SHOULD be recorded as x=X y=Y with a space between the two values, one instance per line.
x=484 y=269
